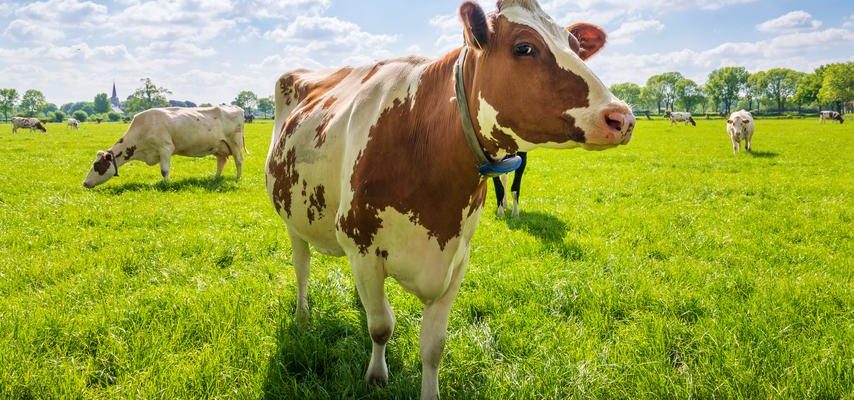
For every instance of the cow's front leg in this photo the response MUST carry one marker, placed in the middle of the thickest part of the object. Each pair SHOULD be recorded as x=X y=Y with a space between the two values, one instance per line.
x=370 y=277
x=220 y=164
x=165 y=162
x=434 y=328
x=747 y=145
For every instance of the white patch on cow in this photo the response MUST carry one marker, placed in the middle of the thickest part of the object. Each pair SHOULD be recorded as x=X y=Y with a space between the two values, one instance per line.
x=487 y=118
x=429 y=274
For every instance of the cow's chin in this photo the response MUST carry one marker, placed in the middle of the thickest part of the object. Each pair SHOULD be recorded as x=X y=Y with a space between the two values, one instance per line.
x=598 y=147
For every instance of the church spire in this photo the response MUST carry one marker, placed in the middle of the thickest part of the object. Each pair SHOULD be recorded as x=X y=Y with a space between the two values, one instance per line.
x=114 y=90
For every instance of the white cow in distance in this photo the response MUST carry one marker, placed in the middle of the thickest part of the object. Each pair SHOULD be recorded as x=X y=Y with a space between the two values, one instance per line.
x=740 y=127
x=73 y=124
x=156 y=135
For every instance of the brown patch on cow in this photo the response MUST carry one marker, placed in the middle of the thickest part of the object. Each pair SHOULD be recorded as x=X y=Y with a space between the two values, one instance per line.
x=129 y=152
x=504 y=140
x=316 y=203
x=320 y=132
x=310 y=96
x=121 y=140
x=286 y=177
x=478 y=198
x=373 y=71
x=533 y=108
x=102 y=166
x=431 y=175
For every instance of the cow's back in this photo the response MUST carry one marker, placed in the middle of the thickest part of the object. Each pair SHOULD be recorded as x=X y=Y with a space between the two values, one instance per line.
x=193 y=132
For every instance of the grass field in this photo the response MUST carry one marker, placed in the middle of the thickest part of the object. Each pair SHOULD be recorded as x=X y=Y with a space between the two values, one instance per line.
x=669 y=268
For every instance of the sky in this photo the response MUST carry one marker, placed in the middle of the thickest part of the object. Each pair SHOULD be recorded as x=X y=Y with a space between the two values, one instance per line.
x=207 y=51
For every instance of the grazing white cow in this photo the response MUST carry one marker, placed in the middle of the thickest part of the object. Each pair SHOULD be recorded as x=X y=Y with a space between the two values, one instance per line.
x=376 y=164
x=740 y=127
x=32 y=124
x=831 y=116
x=156 y=135
x=685 y=117
x=73 y=124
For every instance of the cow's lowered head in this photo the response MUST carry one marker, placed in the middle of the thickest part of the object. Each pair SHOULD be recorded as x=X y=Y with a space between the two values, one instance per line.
x=104 y=168
x=39 y=126
x=530 y=82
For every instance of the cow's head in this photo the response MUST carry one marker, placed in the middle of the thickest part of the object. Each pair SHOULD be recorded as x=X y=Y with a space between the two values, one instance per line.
x=531 y=84
x=103 y=169
x=39 y=126
x=739 y=122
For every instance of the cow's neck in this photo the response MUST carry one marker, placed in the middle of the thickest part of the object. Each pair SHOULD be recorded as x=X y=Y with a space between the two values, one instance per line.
x=121 y=153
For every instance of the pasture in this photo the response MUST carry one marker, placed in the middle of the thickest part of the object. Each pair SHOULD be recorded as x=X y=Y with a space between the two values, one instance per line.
x=669 y=268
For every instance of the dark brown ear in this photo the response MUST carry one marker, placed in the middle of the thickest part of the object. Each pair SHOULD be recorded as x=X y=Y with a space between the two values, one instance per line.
x=475 y=27
x=591 y=37
x=108 y=156
x=729 y=121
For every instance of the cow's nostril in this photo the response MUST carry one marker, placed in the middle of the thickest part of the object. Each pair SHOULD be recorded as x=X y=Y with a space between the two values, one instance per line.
x=616 y=125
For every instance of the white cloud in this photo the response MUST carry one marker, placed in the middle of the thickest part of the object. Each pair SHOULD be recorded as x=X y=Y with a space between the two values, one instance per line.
x=331 y=38
x=627 y=32
x=606 y=11
x=23 y=30
x=186 y=20
x=791 y=22
x=849 y=23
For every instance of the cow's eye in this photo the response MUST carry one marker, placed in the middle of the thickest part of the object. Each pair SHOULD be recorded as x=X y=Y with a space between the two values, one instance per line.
x=524 y=50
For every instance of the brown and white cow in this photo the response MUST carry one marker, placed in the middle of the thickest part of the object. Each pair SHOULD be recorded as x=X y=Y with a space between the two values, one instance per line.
x=675 y=117
x=740 y=126
x=371 y=163
x=32 y=124
x=831 y=116
x=156 y=135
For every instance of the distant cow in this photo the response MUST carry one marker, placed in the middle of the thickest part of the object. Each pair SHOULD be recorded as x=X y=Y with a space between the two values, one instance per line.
x=157 y=134
x=249 y=119
x=500 y=184
x=740 y=127
x=32 y=124
x=72 y=123
x=832 y=116
x=685 y=117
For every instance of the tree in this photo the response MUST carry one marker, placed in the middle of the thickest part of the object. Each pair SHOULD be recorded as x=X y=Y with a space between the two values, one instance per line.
x=80 y=115
x=726 y=84
x=778 y=85
x=102 y=104
x=246 y=100
x=8 y=101
x=628 y=92
x=146 y=97
x=266 y=105
x=688 y=93
x=58 y=116
x=114 y=116
x=838 y=85
x=753 y=90
x=32 y=103
x=662 y=88
x=808 y=87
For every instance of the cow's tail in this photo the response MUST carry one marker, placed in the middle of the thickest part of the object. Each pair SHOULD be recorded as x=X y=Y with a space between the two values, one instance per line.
x=691 y=120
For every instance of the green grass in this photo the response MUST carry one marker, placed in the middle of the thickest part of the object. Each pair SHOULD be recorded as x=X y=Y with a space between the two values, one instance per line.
x=669 y=268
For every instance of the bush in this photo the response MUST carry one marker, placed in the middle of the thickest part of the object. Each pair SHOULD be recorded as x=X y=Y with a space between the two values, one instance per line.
x=58 y=116
x=114 y=116
x=80 y=115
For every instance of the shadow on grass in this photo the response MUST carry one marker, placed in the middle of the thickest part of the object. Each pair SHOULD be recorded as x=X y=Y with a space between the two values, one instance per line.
x=327 y=359
x=763 y=154
x=549 y=230
x=210 y=184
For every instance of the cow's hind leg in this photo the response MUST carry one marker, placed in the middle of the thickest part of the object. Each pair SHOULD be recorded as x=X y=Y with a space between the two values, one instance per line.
x=238 y=160
x=165 y=162
x=301 y=257
x=370 y=278
x=434 y=327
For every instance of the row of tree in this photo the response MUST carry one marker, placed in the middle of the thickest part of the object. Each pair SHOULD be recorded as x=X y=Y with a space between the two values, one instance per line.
x=728 y=87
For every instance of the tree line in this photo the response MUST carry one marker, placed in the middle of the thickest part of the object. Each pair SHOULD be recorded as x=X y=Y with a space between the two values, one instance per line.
x=829 y=86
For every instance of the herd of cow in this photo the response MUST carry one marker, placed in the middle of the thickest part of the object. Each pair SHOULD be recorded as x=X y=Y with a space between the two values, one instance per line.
x=388 y=164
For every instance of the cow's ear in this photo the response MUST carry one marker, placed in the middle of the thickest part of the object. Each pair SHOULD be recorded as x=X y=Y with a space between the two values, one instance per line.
x=475 y=27
x=729 y=121
x=108 y=156
x=591 y=38
x=100 y=154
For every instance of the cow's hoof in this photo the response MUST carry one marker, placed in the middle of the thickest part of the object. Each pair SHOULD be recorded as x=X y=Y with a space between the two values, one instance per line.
x=302 y=316
x=376 y=379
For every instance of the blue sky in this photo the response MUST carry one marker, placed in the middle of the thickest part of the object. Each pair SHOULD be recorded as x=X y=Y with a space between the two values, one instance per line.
x=208 y=50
